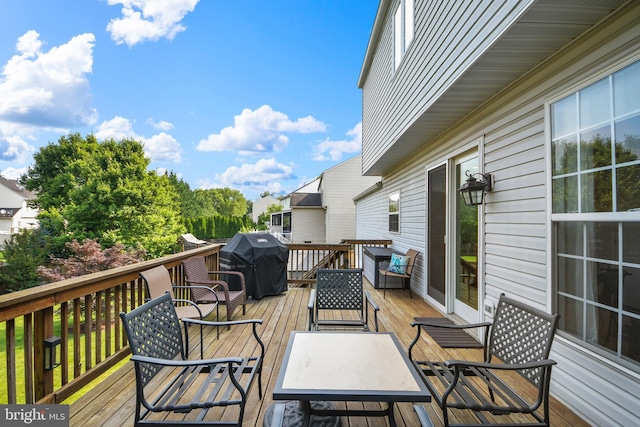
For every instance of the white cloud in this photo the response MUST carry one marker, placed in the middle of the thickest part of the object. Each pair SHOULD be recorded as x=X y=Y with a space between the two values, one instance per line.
x=116 y=128
x=14 y=148
x=14 y=173
x=144 y=20
x=161 y=125
x=264 y=175
x=333 y=150
x=259 y=131
x=48 y=89
x=160 y=147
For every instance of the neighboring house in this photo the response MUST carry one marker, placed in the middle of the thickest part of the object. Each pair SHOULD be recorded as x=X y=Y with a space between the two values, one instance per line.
x=323 y=211
x=261 y=205
x=14 y=212
x=533 y=93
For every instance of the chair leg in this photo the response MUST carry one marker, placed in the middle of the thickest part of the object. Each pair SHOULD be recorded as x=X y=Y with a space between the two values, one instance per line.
x=384 y=289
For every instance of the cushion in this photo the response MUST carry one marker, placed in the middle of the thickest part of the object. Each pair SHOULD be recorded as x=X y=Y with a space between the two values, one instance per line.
x=398 y=264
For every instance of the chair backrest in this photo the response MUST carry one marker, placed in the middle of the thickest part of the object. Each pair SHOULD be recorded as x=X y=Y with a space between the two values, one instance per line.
x=153 y=330
x=522 y=334
x=412 y=254
x=158 y=281
x=197 y=273
x=339 y=289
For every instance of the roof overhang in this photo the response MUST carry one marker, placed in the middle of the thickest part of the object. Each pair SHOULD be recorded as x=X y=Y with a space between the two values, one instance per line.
x=543 y=28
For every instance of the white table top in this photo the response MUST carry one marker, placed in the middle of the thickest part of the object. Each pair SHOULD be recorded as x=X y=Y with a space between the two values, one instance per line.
x=351 y=366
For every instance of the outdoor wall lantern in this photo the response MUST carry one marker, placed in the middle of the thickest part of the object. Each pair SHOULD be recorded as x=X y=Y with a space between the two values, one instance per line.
x=473 y=190
x=52 y=352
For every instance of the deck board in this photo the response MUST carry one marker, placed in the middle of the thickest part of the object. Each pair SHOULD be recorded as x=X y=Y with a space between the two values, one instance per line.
x=112 y=402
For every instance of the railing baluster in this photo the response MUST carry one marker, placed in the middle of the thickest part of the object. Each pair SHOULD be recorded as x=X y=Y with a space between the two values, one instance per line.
x=88 y=318
x=64 y=334
x=98 y=327
x=108 y=321
x=77 y=364
x=27 y=342
x=10 y=351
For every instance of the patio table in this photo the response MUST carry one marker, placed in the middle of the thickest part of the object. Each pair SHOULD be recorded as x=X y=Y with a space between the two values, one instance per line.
x=348 y=366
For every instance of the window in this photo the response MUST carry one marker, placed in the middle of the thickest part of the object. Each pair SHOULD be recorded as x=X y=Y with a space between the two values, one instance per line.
x=286 y=222
x=394 y=213
x=595 y=155
x=276 y=219
x=403 y=29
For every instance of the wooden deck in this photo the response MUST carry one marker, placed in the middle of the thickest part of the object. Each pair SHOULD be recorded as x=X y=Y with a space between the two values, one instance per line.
x=112 y=402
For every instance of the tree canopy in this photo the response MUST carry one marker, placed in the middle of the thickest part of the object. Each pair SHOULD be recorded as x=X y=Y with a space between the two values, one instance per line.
x=221 y=201
x=102 y=190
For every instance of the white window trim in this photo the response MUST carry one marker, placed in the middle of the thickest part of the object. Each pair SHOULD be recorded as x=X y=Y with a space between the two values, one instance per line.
x=403 y=36
x=613 y=361
x=398 y=213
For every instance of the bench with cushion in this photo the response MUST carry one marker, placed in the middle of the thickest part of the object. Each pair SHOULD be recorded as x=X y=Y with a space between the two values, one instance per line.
x=517 y=347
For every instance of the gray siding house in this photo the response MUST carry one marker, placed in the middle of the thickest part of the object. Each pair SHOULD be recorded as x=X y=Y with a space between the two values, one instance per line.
x=543 y=95
x=323 y=211
x=15 y=214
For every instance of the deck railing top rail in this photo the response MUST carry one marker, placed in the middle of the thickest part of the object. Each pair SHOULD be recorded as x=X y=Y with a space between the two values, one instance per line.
x=21 y=302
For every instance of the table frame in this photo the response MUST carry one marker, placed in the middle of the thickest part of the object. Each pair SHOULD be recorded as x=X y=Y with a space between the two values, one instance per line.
x=307 y=394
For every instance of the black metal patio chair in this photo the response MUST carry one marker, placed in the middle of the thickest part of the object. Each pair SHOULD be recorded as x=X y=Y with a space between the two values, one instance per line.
x=342 y=290
x=516 y=345
x=169 y=387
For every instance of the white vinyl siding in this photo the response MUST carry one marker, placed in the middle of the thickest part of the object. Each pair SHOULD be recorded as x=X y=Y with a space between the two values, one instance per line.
x=340 y=185
x=449 y=37
x=307 y=225
x=517 y=213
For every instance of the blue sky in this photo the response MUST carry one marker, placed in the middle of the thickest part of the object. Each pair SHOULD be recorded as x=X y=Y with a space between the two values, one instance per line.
x=256 y=95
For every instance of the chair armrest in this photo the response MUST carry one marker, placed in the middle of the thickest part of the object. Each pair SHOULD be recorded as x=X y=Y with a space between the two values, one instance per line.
x=418 y=325
x=423 y=416
x=312 y=299
x=253 y=322
x=375 y=307
x=371 y=301
x=384 y=265
x=222 y=323
x=180 y=362
x=221 y=283
x=188 y=301
x=205 y=283
x=462 y=364
x=205 y=288
x=240 y=274
x=311 y=305
x=277 y=416
x=439 y=325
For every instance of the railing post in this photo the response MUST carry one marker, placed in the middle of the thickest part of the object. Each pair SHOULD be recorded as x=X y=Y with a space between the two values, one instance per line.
x=42 y=329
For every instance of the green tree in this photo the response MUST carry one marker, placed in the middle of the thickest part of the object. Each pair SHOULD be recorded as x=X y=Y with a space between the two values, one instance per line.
x=266 y=216
x=23 y=253
x=204 y=202
x=102 y=190
x=189 y=206
x=223 y=202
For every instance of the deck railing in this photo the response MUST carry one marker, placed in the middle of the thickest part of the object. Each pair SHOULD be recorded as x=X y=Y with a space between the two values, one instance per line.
x=83 y=312
x=306 y=258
